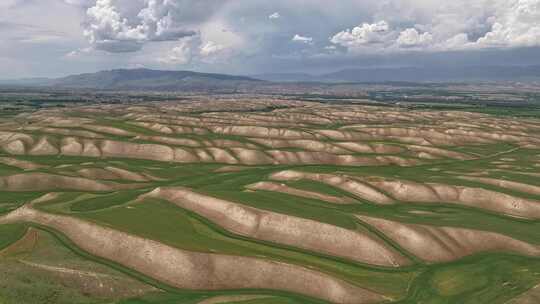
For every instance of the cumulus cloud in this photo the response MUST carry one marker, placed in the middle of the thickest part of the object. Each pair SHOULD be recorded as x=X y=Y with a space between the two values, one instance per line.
x=275 y=15
x=107 y=30
x=517 y=23
x=383 y=37
x=211 y=48
x=223 y=25
x=364 y=34
x=488 y=24
x=460 y=41
x=182 y=53
x=193 y=49
x=302 y=39
x=234 y=34
x=412 y=38
x=116 y=26
x=79 y=52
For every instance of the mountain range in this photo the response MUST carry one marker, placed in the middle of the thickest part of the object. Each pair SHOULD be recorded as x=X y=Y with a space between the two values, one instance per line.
x=157 y=80
x=142 y=79
x=414 y=74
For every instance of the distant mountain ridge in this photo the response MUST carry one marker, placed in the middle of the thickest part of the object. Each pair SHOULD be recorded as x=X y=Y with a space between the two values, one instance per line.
x=415 y=74
x=152 y=80
x=144 y=79
x=288 y=77
x=157 y=80
x=25 y=81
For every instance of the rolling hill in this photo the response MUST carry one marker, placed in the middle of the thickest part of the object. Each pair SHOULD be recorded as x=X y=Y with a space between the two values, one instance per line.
x=146 y=79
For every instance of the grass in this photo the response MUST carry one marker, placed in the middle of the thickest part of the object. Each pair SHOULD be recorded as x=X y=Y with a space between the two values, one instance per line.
x=171 y=298
x=315 y=186
x=99 y=202
x=32 y=285
x=489 y=278
x=485 y=279
x=174 y=226
x=167 y=294
x=12 y=200
x=273 y=300
x=230 y=186
x=528 y=112
x=8 y=170
x=455 y=281
x=483 y=150
x=10 y=234
x=165 y=298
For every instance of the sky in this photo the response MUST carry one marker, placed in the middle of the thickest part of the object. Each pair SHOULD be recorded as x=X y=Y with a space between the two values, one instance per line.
x=51 y=38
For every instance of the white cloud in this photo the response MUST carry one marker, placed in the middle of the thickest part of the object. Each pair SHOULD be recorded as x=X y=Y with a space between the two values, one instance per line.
x=115 y=26
x=515 y=24
x=275 y=15
x=382 y=37
x=487 y=24
x=78 y=53
x=458 y=42
x=128 y=25
x=193 y=50
x=182 y=53
x=108 y=31
x=219 y=32
x=412 y=38
x=362 y=35
x=211 y=48
x=303 y=39
x=234 y=35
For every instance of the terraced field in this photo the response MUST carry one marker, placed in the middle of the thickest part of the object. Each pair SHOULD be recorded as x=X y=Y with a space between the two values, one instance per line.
x=268 y=201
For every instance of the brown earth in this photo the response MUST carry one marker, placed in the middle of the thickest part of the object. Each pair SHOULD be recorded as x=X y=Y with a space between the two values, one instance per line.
x=444 y=244
x=256 y=131
x=25 y=244
x=43 y=147
x=532 y=296
x=171 y=141
x=50 y=182
x=440 y=152
x=109 y=130
x=306 y=144
x=65 y=132
x=227 y=169
x=521 y=187
x=97 y=173
x=72 y=146
x=282 y=188
x=21 y=164
x=284 y=229
x=345 y=183
x=127 y=175
x=407 y=191
x=197 y=271
x=22 y=261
